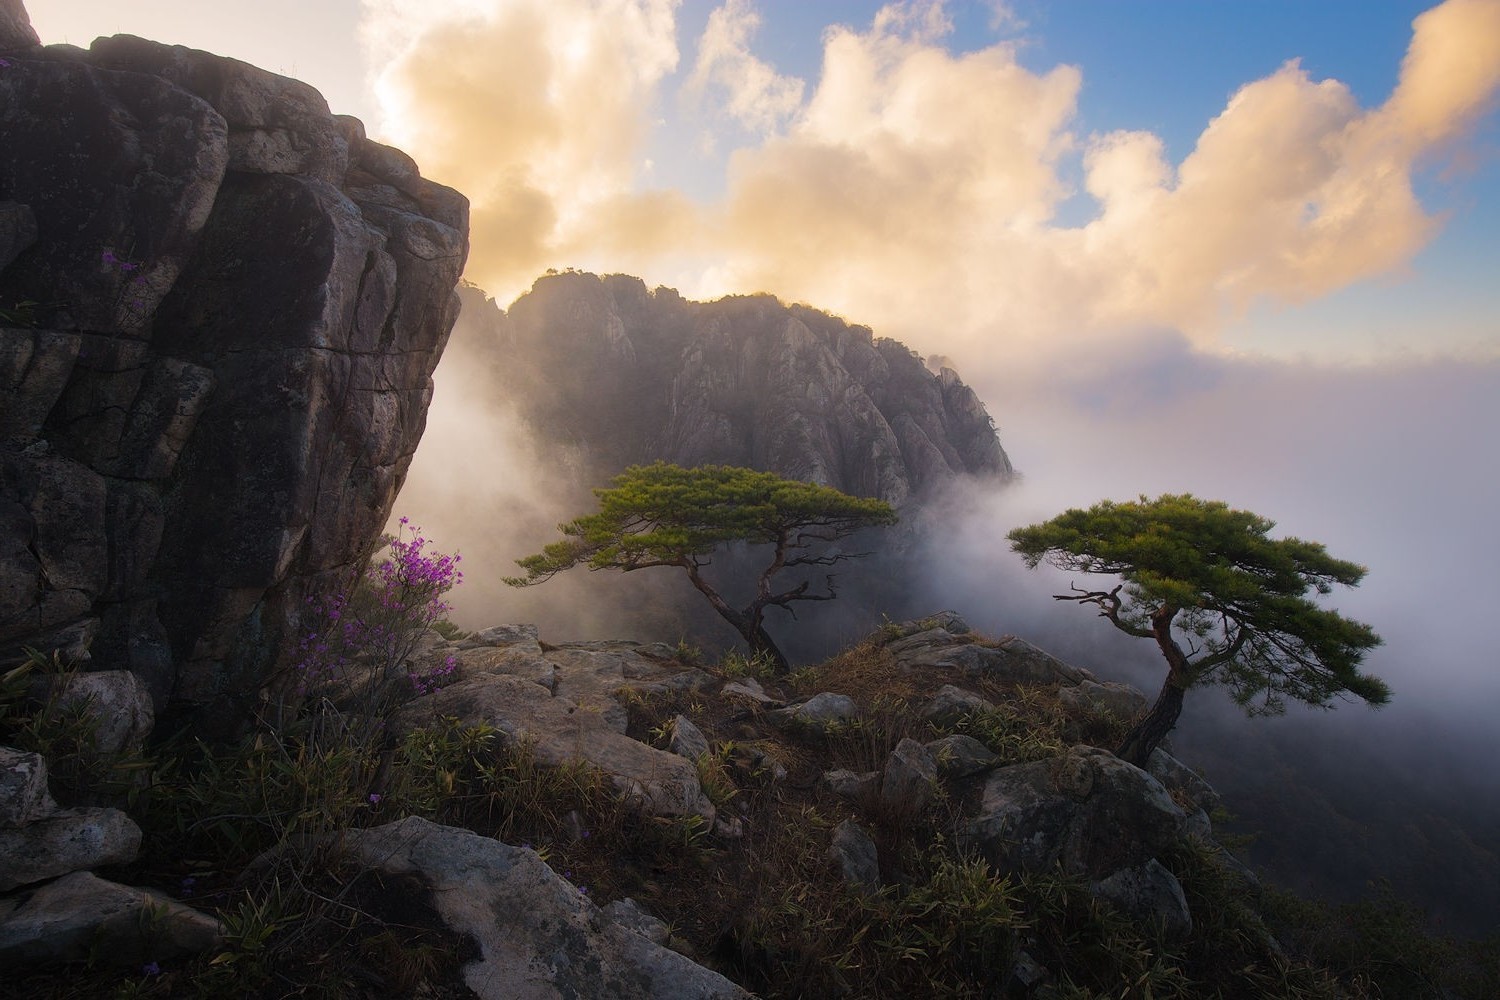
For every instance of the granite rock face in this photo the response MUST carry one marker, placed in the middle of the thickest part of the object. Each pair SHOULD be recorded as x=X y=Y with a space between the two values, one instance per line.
x=16 y=32
x=220 y=308
x=538 y=937
x=631 y=375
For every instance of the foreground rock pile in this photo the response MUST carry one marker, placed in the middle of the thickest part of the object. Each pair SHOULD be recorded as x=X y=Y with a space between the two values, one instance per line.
x=1085 y=812
x=52 y=907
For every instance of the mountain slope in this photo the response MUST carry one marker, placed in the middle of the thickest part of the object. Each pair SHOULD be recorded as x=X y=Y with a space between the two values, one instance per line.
x=624 y=374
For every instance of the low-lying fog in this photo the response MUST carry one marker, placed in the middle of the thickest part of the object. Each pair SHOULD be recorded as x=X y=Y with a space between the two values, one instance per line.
x=1394 y=467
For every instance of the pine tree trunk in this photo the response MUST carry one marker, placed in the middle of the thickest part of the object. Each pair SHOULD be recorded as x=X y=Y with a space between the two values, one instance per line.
x=1147 y=734
x=761 y=644
x=746 y=623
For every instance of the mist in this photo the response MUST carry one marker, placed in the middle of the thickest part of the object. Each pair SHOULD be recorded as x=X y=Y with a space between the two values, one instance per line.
x=1391 y=466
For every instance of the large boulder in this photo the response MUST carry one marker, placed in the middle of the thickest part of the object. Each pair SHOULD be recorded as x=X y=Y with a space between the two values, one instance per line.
x=24 y=797
x=65 y=841
x=115 y=702
x=1122 y=701
x=944 y=641
x=1087 y=811
x=538 y=937
x=231 y=302
x=83 y=917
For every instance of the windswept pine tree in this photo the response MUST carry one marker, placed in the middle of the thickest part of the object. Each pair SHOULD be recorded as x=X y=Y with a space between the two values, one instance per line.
x=665 y=515
x=1196 y=572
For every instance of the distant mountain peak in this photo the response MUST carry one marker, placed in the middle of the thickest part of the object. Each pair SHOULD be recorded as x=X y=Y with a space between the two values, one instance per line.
x=629 y=374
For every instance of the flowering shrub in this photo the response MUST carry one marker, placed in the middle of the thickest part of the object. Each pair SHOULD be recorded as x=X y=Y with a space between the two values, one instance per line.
x=366 y=638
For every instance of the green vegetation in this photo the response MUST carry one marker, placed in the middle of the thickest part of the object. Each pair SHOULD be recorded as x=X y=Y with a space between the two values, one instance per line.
x=251 y=833
x=665 y=515
x=1198 y=571
x=248 y=832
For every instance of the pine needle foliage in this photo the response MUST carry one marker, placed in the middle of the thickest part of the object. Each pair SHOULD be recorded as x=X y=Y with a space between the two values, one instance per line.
x=666 y=515
x=1199 y=573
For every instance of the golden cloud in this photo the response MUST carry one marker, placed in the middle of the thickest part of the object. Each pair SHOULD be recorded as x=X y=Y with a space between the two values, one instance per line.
x=914 y=188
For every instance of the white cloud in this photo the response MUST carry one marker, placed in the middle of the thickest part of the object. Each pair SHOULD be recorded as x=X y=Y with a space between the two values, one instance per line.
x=754 y=94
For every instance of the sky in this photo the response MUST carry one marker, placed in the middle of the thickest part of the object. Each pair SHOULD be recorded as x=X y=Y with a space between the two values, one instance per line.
x=1243 y=250
x=1310 y=181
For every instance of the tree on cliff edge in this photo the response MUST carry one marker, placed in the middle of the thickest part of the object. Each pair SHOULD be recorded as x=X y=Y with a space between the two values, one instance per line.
x=665 y=515
x=1199 y=573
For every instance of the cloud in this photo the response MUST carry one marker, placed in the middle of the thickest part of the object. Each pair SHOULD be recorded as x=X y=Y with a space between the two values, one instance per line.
x=912 y=187
x=536 y=109
x=754 y=94
x=903 y=198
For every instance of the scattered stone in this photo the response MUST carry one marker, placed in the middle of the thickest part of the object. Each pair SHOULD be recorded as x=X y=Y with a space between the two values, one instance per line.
x=1026 y=974
x=539 y=938
x=1122 y=701
x=856 y=788
x=910 y=780
x=959 y=756
x=68 y=840
x=946 y=621
x=687 y=739
x=116 y=700
x=819 y=711
x=691 y=679
x=500 y=635
x=1087 y=810
x=82 y=916
x=1148 y=892
x=23 y=788
x=952 y=704
x=749 y=687
x=854 y=852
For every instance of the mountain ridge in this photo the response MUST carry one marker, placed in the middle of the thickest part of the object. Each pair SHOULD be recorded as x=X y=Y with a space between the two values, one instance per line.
x=626 y=374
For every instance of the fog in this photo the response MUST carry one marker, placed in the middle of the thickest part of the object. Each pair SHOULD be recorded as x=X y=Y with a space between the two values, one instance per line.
x=1393 y=466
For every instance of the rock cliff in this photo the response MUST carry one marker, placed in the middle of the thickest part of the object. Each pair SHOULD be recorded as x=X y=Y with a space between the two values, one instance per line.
x=220 y=308
x=625 y=374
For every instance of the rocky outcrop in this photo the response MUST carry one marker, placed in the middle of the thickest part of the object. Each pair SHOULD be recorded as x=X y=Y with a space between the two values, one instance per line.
x=624 y=375
x=564 y=701
x=944 y=641
x=538 y=937
x=1090 y=815
x=220 y=307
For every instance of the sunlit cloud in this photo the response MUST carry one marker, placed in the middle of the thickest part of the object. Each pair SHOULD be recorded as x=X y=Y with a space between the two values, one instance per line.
x=913 y=187
x=536 y=109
